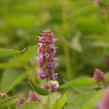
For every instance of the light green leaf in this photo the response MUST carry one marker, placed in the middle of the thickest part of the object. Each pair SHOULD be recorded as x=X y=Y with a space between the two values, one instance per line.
x=32 y=105
x=92 y=103
x=79 y=100
x=78 y=82
x=8 y=52
x=21 y=60
x=7 y=101
x=60 y=102
x=11 y=77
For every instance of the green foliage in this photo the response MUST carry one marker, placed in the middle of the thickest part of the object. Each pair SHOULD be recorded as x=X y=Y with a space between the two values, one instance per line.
x=92 y=103
x=78 y=82
x=38 y=89
x=60 y=102
x=8 y=52
x=32 y=105
x=82 y=32
x=10 y=78
x=7 y=101
x=21 y=60
x=79 y=100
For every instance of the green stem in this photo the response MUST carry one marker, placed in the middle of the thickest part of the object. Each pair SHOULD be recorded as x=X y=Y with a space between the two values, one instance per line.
x=68 y=62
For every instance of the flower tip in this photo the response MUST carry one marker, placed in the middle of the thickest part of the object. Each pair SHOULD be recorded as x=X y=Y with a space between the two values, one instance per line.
x=98 y=75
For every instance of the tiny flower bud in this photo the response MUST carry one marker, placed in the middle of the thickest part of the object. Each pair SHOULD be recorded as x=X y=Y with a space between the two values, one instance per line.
x=98 y=76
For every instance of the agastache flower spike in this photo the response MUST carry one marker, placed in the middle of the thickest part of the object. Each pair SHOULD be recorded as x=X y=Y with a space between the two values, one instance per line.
x=33 y=97
x=98 y=76
x=46 y=59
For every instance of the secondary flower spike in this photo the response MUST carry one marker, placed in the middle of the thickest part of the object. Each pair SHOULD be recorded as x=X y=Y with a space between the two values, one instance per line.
x=46 y=57
x=21 y=101
x=33 y=97
x=98 y=75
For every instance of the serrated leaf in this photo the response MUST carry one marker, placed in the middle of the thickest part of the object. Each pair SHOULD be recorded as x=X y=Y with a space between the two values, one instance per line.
x=60 y=102
x=11 y=77
x=7 y=101
x=78 y=82
x=21 y=60
x=8 y=52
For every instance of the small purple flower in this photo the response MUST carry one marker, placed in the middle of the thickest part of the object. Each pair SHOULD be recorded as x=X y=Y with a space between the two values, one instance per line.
x=41 y=60
x=104 y=103
x=53 y=76
x=98 y=75
x=51 y=50
x=42 y=75
x=41 y=50
x=53 y=86
x=33 y=97
x=52 y=65
x=21 y=101
x=45 y=86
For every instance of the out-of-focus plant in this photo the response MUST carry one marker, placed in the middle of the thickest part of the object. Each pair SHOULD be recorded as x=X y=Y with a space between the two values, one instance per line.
x=82 y=41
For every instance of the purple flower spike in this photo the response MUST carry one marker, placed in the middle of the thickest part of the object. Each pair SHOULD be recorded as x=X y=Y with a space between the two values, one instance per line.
x=98 y=75
x=46 y=59
x=21 y=101
x=33 y=97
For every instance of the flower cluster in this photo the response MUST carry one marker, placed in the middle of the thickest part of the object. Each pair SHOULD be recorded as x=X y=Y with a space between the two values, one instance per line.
x=46 y=59
x=32 y=97
x=20 y=101
x=98 y=76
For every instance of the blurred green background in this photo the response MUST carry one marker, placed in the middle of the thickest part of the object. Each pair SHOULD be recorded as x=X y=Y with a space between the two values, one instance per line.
x=80 y=26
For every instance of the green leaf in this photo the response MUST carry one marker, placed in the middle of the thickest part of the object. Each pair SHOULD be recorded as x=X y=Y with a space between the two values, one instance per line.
x=21 y=60
x=32 y=105
x=7 y=52
x=91 y=104
x=79 y=100
x=7 y=101
x=78 y=82
x=11 y=77
x=60 y=102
